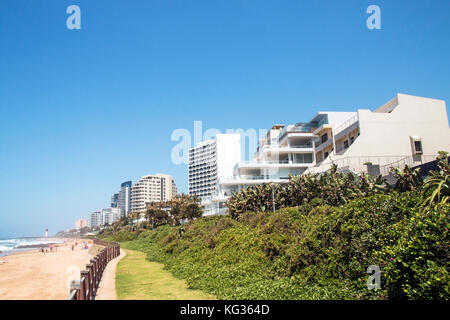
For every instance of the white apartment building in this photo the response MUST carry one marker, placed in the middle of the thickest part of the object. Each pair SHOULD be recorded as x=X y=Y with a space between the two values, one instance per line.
x=96 y=219
x=407 y=130
x=211 y=160
x=110 y=215
x=151 y=188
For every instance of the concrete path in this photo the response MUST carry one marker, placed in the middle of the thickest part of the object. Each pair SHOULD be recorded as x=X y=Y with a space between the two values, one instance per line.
x=107 y=287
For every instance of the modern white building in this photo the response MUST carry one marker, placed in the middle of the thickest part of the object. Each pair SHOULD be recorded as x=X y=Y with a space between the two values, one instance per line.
x=110 y=215
x=151 y=188
x=210 y=161
x=407 y=130
x=96 y=219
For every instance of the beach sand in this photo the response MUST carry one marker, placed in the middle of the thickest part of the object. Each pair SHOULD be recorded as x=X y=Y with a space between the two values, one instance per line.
x=34 y=275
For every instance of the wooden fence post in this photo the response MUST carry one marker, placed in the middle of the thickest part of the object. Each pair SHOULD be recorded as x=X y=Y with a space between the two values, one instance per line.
x=85 y=284
x=90 y=278
x=89 y=281
x=75 y=285
x=94 y=275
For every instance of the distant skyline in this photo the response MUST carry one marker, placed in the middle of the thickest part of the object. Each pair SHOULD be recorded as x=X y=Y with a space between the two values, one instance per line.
x=82 y=111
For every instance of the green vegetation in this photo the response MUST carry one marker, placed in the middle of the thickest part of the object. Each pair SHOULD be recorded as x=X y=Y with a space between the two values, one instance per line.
x=318 y=244
x=139 y=279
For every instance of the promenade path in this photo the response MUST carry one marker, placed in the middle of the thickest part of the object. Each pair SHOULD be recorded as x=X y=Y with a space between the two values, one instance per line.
x=140 y=279
x=107 y=287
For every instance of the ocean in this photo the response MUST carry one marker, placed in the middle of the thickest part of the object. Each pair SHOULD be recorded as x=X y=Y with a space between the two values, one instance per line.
x=13 y=245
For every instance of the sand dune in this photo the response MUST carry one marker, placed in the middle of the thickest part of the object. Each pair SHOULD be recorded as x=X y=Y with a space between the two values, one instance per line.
x=35 y=275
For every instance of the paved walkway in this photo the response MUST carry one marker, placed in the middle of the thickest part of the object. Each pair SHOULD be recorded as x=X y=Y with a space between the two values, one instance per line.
x=107 y=287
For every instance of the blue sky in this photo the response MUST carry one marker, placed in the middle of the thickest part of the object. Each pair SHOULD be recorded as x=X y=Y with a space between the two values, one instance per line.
x=83 y=110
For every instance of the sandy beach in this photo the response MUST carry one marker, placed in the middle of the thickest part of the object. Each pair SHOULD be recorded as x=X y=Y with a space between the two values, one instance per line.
x=35 y=275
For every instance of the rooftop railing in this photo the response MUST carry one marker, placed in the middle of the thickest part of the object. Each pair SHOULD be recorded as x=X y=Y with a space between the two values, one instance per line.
x=346 y=124
x=359 y=164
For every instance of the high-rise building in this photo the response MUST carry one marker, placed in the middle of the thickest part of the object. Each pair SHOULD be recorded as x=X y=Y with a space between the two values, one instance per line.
x=110 y=215
x=151 y=188
x=210 y=160
x=96 y=219
x=115 y=200
x=124 y=198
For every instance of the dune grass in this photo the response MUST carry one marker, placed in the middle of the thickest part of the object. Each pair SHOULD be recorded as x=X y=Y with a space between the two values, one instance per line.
x=140 y=279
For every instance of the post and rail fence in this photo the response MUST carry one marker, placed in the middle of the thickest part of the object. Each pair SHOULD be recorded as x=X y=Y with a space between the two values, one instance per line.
x=86 y=287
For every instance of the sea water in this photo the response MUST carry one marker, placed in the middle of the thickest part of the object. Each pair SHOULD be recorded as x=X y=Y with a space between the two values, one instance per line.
x=8 y=246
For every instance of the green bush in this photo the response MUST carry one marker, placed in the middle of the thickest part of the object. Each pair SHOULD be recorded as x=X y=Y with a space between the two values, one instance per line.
x=313 y=251
x=415 y=254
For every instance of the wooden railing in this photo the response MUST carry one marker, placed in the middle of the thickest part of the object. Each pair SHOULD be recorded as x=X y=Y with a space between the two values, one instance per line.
x=86 y=288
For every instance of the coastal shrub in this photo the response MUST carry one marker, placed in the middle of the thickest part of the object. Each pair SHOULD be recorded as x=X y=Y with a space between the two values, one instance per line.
x=312 y=251
x=333 y=187
x=414 y=254
x=306 y=252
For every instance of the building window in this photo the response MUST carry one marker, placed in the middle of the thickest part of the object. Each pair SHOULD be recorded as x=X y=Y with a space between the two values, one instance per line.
x=416 y=144
x=324 y=137
x=345 y=144
x=326 y=155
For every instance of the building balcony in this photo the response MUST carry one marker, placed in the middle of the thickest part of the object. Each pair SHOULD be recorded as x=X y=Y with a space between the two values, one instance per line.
x=251 y=179
x=271 y=164
x=346 y=126
x=305 y=148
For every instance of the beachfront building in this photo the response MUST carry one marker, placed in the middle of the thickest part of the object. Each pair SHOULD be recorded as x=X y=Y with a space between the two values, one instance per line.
x=110 y=215
x=283 y=151
x=96 y=219
x=151 y=188
x=81 y=223
x=209 y=161
x=115 y=200
x=124 y=198
x=407 y=130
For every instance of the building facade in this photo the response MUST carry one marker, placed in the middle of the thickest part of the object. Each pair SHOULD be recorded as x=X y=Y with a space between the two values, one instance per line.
x=124 y=198
x=115 y=200
x=151 y=188
x=407 y=130
x=96 y=219
x=110 y=215
x=211 y=160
